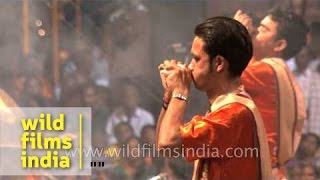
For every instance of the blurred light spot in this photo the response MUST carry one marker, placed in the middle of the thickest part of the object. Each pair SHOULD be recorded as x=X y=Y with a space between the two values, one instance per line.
x=41 y=32
x=38 y=23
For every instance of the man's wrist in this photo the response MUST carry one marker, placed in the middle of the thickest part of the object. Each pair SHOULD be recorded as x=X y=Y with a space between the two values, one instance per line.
x=180 y=96
x=167 y=97
x=183 y=91
x=165 y=105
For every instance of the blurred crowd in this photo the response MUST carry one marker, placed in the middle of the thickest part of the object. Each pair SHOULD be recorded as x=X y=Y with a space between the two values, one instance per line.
x=125 y=104
x=306 y=164
x=92 y=76
x=306 y=68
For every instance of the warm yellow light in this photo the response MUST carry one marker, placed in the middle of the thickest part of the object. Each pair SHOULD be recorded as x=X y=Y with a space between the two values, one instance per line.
x=38 y=23
x=41 y=32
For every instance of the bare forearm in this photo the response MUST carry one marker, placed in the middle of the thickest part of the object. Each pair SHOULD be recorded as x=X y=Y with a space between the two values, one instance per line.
x=166 y=101
x=177 y=81
x=161 y=115
x=169 y=133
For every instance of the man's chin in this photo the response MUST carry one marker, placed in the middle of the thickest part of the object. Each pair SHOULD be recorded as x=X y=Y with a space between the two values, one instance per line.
x=255 y=44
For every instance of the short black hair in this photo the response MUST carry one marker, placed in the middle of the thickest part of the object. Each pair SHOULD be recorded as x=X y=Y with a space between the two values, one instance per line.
x=226 y=37
x=292 y=28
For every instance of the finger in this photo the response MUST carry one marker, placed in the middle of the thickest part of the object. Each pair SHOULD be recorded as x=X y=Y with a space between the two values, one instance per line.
x=161 y=66
x=171 y=75
x=247 y=22
x=237 y=14
x=180 y=64
x=246 y=17
x=185 y=66
x=170 y=65
x=164 y=72
x=166 y=62
x=243 y=17
x=191 y=66
x=173 y=61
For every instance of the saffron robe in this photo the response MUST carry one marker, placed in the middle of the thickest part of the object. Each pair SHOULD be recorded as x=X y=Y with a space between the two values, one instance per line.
x=281 y=104
x=212 y=141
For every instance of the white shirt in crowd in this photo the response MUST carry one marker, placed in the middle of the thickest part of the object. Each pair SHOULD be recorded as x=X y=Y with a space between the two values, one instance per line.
x=139 y=119
x=309 y=80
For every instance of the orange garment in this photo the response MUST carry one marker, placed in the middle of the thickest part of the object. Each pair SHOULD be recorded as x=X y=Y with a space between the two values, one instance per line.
x=281 y=104
x=32 y=178
x=260 y=82
x=231 y=126
x=46 y=90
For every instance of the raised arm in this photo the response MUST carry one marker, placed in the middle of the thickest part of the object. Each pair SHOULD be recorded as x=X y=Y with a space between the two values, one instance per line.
x=178 y=82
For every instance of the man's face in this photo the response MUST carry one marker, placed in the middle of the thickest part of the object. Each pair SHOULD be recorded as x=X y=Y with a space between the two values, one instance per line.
x=91 y=97
x=200 y=64
x=124 y=133
x=309 y=145
x=308 y=173
x=131 y=97
x=34 y=86
x=149 y=135
x=303 y=58
x=265 y=40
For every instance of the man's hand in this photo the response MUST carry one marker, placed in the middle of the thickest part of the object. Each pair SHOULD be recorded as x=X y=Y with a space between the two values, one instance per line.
x=175 y=76
x=179 y=78
x=245 y=20
x=163 y=75
x=164 y=72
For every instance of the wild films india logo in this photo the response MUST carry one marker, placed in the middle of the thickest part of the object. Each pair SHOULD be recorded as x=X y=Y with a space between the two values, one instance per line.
x=37 y=141
x=33 y=138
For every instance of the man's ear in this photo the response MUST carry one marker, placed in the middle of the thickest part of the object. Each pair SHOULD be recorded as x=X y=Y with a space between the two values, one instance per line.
x=280 y=45
x=220 y=63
